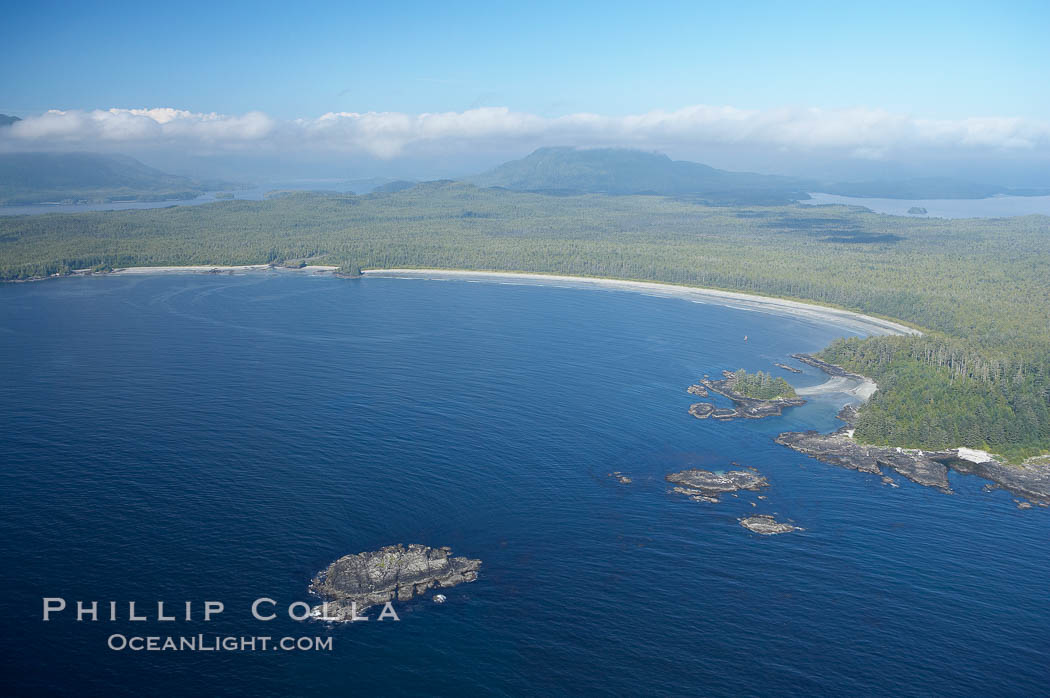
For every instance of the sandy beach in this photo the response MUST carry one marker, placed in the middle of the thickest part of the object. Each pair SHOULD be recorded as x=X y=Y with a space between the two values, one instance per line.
x=858 y=322
x=861 y=389
x=845 y=318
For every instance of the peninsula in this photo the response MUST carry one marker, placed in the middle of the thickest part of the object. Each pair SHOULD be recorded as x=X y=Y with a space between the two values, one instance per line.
x=929 y=468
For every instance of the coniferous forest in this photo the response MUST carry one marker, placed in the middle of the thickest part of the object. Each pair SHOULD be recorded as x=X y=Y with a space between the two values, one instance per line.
x=978 y=288
x=761 y=385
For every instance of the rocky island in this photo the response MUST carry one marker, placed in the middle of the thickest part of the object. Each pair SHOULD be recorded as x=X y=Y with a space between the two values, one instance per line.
x=706 y=486
x=767 y=525
x=754 y=396
x=354 y=583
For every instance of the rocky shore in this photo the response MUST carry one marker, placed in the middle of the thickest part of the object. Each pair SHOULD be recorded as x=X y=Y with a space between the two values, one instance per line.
x=839 y=449
x=830 y=369
x=927 y=468
x=743 y=407
x=706 y=486
x=792 y=369
x=355 y=583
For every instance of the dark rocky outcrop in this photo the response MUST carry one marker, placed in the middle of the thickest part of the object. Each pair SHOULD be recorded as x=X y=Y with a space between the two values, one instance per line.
x=848 y=414
x=929 y=468
x=830 y=369
x=792 y=369
x=697 y=390
x=706 y=486
x=767 y=525
x=358 y=582
x=1026 y=480
x=839 y=449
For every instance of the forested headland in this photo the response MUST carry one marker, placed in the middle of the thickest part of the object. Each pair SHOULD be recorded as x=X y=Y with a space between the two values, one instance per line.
x=980 y=289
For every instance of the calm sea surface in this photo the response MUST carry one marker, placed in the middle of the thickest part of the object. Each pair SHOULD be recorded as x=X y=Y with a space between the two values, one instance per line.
x=225 y=437
x=991 y=207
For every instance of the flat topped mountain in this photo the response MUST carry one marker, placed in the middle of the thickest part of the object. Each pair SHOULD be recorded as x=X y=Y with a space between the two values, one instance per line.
x=620 y=171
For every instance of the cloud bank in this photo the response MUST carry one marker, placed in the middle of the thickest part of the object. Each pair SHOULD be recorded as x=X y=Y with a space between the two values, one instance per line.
x=863 y=133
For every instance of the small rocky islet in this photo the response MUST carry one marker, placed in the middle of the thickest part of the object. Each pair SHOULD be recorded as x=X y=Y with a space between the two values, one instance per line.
x=707 y=486
x=354 y=583
x=744 y=407
x=767 y=525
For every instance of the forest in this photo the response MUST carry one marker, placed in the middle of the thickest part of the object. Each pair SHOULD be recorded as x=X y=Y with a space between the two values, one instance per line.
x=761 y=385
x=978 y=288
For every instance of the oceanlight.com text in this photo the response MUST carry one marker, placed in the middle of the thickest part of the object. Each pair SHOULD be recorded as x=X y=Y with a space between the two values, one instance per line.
x=217 y=643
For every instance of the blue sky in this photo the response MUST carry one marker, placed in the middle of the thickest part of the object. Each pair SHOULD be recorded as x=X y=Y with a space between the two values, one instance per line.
x=932 y=59
x=443 y=88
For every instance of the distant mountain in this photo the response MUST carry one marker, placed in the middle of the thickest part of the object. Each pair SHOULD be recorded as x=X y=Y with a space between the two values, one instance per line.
x=567 y=170
x=622 y=171
x=6 y=120
x=27 y=178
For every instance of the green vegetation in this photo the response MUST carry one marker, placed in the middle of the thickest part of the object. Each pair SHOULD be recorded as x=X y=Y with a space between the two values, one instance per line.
x=761 y=385
x=980 y=288
x=27 y=178
x=936 y=392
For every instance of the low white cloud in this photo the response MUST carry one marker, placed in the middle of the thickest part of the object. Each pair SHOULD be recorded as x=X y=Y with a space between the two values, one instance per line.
x=138 y=126
x=861 y=133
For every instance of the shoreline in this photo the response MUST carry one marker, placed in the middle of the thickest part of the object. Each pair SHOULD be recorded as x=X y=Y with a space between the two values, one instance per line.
x=746 y=301
x=859 y=322
x=860 y=389
x=207 y=269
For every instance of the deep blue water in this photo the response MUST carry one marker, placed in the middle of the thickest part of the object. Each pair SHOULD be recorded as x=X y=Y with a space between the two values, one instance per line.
x=199 y=437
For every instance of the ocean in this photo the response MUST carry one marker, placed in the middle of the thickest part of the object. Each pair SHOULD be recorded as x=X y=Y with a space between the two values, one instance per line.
x=224 y=437
x=988 y=207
